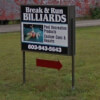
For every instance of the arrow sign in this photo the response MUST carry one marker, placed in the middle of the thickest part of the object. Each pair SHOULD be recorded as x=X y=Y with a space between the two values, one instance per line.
x=48 y=64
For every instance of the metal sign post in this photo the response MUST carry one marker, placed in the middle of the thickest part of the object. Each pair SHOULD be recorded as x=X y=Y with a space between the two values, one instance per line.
x=24 y=69
x=73 y=52
x=73 y=72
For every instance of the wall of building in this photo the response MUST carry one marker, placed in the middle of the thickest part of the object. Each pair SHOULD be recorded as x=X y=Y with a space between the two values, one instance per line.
x=10 y=9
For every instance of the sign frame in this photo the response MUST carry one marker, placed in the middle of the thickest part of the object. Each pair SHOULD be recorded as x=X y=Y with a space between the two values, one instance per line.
x=70 y=50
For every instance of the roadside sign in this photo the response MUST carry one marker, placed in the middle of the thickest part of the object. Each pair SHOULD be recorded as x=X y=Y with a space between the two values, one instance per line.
x=48 y=28
x=51 y=29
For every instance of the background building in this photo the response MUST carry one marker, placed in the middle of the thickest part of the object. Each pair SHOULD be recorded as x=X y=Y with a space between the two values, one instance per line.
x=10 y=9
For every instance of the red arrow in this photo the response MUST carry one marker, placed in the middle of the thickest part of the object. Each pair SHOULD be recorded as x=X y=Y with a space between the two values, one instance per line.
x=49 y=64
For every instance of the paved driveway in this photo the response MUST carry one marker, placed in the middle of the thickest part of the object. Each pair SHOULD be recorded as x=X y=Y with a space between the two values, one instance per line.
x=16 y=27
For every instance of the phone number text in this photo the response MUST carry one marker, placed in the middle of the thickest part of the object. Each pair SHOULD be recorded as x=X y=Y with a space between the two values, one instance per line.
x=45 y=48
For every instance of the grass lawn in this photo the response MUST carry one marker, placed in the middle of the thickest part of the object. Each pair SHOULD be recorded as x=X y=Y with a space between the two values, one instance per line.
x=51 y=84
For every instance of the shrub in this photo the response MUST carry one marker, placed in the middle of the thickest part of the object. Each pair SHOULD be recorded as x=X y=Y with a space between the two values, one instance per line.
x=95 y=12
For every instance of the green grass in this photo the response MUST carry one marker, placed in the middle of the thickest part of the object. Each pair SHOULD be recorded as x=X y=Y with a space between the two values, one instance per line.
x=51 y=84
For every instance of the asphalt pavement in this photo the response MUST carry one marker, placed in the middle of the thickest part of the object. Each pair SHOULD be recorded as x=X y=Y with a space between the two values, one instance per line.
x=16 y=27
